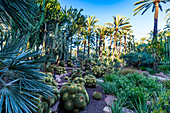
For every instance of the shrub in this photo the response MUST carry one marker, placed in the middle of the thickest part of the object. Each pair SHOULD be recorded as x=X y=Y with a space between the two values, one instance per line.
x=164 y=68
x=138 y=59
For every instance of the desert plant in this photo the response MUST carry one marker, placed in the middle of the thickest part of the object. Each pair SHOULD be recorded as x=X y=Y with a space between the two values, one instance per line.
x=74 y=96
x=97 y=95
x=91 y=81
x=79 y=80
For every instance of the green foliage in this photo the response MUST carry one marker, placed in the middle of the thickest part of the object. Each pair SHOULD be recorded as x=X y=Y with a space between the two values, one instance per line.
x=138 y=59
x=166 y=83
x=91 y=81
x=97 y=95
x=164 y=68
x=69 y=64
x=74 y=96
x=134 y=85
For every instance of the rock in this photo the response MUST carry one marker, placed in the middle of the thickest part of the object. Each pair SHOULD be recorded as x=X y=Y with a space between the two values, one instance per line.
x=125 y=110
x=107 y=109
x=109 y=99
x=101 y=81
x=55 y=107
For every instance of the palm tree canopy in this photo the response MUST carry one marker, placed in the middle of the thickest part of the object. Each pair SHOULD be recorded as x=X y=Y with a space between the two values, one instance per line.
x=91 y=21
x=120 y=22
x=146 y=4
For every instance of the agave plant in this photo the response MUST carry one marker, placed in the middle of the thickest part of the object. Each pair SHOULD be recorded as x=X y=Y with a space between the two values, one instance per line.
x=20 y=80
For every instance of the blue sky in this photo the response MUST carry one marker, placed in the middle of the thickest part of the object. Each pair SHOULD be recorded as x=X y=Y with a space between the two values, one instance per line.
x=104 y=10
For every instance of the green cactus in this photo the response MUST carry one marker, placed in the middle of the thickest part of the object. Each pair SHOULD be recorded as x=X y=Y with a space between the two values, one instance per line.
x=79 y=100
x=72 y=89
x=66 y=77
x=69 y=64
x=97 y=95
x=79 y=80
x=91 y=81
x=66 y=96
x=75 y=110
x=64 y=89
x=60 y=70
x=99 y=70
x=78 y=97
x=74 y=75
x=69 y=105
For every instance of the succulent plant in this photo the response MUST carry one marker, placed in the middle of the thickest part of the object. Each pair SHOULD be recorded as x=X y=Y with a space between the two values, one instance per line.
x=74 y=97
x=66 y=77
x=60 y=70
x=99 y=70
x=70 y=64
x=49 y=69
x=79 y=80
x=91 y=81
x=97 y=95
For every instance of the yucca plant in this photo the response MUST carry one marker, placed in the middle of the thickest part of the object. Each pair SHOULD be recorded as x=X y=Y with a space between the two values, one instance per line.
x=21 y=83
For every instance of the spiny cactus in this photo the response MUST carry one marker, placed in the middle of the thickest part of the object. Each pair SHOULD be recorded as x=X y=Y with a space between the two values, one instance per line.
x=74 y=97
x=79 y=80
x=99 y=70
x=91 y=81
x=97 y=95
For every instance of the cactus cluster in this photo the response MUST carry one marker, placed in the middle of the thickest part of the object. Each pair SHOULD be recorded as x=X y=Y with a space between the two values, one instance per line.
x=44 y=104
x=60 y=70
x=76 y=73
x=79 y=80
x=91 y=81
x=69 y=63
x=97 y=95
x=49 y=69
x=99 y=70
x=74 y=97
x=93 y=63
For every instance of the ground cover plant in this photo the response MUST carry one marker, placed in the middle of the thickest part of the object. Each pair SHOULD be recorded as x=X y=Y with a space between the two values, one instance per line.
x=137 y=88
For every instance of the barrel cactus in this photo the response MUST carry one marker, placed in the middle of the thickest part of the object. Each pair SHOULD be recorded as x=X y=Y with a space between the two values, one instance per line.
x=97 y=95
x=91 y=81
x=74 y=97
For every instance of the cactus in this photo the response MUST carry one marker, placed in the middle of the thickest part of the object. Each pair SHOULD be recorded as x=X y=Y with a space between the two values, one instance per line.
x=69 y=105
x=91 y=81
x=79 y=80
x=75 y=97
x=66 y=96
x=97 y=95
x=69 y=64
x=60 y=70
x=66 y=78
x=79 y=100
x=49 y=69
x=99 y=70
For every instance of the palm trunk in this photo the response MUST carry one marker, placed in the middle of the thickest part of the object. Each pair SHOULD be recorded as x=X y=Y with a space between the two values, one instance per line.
x=71 y=48
x=84 y=46
x=125 y=43
x=45 y=35
x=110 y=45
x=155 y=21
x=96 y=44
x=115 y=39
x=120 y=46
x=103 y=44
x=100 y=48
x=78 y=45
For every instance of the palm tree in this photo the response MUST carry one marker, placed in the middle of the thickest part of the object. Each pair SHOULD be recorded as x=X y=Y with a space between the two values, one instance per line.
x=143 y=39
x=91 y=21
x=110 y=33
x=167 y=18
x=120 y=22
x=145 y=5
x=101 y=31
x=126 y=32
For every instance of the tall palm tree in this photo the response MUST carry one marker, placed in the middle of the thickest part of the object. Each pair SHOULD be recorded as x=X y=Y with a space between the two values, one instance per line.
x=126 y=32
x=91 y=21
x=101 y=31
x=110 y=33
x=145 y=5
x=167 y=17
x=143 y=39
x=120 y=22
